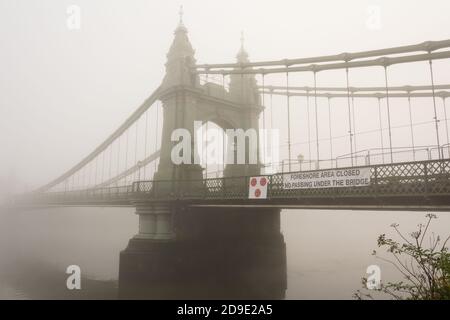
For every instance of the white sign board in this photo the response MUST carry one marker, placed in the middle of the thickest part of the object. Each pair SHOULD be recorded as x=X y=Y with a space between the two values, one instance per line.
x=257 y=188
x=337 y=178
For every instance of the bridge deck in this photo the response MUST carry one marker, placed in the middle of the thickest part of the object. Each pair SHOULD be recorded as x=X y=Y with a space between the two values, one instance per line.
x=423 y=185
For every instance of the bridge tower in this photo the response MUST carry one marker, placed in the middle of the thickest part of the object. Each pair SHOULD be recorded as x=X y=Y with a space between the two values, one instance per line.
x=179 y=247
x=186 y=101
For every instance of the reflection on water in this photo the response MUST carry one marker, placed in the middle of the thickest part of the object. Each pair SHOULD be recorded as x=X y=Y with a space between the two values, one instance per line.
x=327 y=252
x=36 y=247
x=10 y=293
x=36 y=280
x=212 y=270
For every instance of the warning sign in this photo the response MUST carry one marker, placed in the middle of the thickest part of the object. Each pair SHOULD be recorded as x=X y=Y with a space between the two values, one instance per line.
x=257 y=188
x=338 y=178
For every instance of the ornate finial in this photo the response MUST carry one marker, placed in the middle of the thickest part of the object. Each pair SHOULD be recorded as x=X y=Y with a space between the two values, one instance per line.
x=242 y=55
x=181 y=12
x=181 y=27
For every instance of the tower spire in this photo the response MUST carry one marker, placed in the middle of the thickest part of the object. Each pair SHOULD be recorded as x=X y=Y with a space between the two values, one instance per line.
x=180 y=58
x=181 y=27
x=242 y=55
x=181 y=13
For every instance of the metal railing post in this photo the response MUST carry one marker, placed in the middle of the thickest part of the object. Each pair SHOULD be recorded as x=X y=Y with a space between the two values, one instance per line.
x=224 y=187
x=269 y=187
x=375 y=169
x=425 y=172
x=246 y=182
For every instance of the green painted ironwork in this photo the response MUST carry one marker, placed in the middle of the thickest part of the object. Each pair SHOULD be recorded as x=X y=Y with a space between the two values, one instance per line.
x=421 y=178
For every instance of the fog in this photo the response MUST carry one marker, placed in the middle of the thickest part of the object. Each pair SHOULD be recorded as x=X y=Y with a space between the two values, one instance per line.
x=327 y=251
x=64 y=91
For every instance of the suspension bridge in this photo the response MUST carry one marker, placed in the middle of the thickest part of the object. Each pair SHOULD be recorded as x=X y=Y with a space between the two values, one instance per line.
x=133 y=163
x=336 y=115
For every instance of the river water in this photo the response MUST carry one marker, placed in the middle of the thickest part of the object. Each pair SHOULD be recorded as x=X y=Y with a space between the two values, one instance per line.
x=327 y=251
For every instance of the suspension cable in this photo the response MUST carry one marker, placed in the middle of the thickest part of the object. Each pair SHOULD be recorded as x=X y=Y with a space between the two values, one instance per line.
x=206 y=149
x=417 y=124
x=110 y=159
x=224 y=151
x=349 y=117
x=145 y=140
x=308 y=127
x=103 y=165
x=83 y=177
x=388 y=112
x=271 y=116
x=264 y=121
x=446 y=124
x=355 y=146
x=118 y=159
x=136 y=147
x=411 y=125
x=271 y=108
x=430 y=46
x=436 y=121
x=96 y=169
x=156 y=134
x=317 y=122
x=330 y=131
x=93 y=172
x=289 y=121
x=381 y=128
x=126 y=154
x=88 y=169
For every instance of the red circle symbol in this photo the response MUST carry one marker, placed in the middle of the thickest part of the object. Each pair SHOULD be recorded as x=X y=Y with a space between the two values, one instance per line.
x=263 y=181
x=257 y=193
x=253 y=182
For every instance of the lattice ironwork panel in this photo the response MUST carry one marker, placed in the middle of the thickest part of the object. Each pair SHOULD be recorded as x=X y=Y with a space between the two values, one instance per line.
x=143 y=186
x=439 y=185
x=401 y=170
x=398 y=179
x=438 y=167
x=214 y=188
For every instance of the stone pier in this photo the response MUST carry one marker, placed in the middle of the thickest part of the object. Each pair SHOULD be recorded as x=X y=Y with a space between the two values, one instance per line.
x=199 y=253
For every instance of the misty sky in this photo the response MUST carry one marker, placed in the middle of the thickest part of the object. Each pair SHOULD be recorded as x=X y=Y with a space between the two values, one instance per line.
x=64 y=91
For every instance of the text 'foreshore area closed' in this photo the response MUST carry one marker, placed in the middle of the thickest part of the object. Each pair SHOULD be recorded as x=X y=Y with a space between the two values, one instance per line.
x=337 y=178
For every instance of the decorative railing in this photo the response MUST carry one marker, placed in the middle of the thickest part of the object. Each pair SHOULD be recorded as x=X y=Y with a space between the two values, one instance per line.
x=423 y=178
